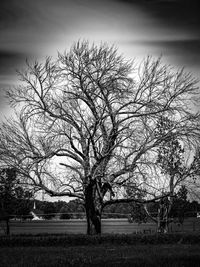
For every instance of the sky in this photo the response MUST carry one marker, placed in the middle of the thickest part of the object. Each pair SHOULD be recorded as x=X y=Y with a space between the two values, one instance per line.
x=35 y=29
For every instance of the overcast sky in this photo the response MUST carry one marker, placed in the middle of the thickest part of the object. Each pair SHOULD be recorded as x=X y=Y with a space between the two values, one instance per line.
x=39 y=28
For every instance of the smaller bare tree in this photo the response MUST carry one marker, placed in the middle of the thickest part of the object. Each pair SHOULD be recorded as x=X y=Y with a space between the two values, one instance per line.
x=177 y=169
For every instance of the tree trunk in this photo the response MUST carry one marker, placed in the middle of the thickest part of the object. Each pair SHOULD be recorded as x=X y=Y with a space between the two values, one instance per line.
x=93 y=222
x=7 y=227
x=93 y=210
x=163 y=216
x=162 y=226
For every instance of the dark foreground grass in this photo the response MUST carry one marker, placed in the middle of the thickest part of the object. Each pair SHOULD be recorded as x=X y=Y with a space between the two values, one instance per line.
x=102 y=255
x=66 y=240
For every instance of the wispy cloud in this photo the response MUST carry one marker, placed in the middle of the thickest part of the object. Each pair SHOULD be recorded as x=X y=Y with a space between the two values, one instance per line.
x=9 y=59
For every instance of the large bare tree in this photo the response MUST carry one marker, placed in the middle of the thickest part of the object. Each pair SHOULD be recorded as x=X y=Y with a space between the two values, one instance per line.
x=86 y=125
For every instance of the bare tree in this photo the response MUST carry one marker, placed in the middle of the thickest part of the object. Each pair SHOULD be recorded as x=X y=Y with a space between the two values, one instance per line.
x=175 y=168
x=86 y=125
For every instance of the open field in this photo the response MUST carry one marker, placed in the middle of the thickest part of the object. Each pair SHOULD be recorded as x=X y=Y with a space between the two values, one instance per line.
x=76 y=226
x=101 y=255
x=105 y=250
x=120 y=226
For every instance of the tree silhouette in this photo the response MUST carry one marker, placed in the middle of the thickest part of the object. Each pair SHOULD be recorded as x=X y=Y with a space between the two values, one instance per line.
x=85 y=125
x=11 y=194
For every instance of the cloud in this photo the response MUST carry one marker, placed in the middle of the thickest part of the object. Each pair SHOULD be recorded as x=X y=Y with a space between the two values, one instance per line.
x=176 y=13
x=35 y=29
x=186 y=52
x=10 y=61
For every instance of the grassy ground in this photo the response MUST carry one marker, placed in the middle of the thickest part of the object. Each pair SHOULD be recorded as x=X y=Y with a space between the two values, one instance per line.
x=102 y=255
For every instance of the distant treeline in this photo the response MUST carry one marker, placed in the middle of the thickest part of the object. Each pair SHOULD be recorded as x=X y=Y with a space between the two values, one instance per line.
x=75 y=209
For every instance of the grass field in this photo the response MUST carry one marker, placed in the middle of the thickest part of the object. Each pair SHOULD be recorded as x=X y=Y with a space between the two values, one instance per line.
x=76 y=226
x=181 y=249
x=101 y=255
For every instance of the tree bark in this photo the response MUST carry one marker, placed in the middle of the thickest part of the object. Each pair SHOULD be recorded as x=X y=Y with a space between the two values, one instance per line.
x=93 y=210
x=165 y=209
x=7 y=227
x=163 y=216
x=93 y=222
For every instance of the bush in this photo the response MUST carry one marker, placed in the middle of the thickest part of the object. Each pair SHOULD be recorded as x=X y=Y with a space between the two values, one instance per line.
x=65 y=216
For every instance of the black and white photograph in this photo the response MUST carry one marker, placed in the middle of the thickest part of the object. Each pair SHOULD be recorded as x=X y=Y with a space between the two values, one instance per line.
x=99 y=133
